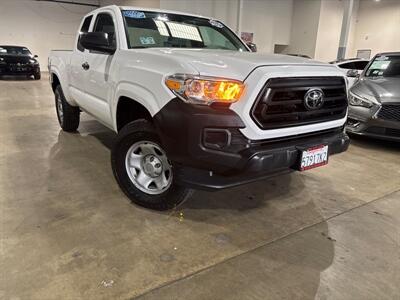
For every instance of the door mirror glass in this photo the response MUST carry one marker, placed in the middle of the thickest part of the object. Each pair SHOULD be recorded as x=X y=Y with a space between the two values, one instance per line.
x=352 y=73
x=35 y=56
x=252 y=46
x=97 y=41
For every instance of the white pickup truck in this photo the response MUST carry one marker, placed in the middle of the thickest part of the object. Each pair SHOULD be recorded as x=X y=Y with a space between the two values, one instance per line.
x=192 y=105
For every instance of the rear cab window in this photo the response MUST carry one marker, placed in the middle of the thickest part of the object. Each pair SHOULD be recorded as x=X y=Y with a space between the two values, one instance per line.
x=85 y=28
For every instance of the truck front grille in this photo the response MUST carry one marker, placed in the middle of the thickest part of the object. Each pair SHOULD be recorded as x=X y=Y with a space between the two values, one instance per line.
x=390 y=112
x=281 y=102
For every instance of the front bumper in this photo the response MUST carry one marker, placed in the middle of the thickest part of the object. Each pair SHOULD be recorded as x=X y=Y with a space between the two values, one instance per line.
x=20 y=70
x=209 y=151
x=363 y=122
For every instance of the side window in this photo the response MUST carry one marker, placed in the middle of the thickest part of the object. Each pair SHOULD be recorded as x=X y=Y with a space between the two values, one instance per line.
x=349 y=65
x=105 y=23
x=85 y=28
x=360 y=65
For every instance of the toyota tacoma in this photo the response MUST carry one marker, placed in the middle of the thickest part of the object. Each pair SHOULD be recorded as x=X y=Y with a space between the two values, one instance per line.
x=193 y=107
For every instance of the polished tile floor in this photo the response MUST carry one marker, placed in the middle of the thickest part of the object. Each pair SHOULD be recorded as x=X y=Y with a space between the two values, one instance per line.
x=68 y=232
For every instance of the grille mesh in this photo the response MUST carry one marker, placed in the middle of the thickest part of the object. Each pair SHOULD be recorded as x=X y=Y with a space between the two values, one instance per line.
x=281 y=102
x=390 y=112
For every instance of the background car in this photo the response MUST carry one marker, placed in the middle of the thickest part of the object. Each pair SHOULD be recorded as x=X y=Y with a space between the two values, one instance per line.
x=375 y=99
x=352 y=67
x=18 y=60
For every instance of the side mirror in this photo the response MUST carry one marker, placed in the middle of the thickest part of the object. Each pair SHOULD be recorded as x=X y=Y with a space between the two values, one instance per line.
x=252 y=46
x=96 y=41
x=35 y=56
x=353 y=73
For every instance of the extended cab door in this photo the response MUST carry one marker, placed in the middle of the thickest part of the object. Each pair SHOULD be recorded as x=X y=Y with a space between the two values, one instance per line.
x=77 y=75
x=99 y=85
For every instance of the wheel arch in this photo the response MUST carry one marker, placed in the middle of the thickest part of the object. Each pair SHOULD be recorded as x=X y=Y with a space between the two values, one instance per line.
x=138 y=100
x=128 y=110
x=54 y=80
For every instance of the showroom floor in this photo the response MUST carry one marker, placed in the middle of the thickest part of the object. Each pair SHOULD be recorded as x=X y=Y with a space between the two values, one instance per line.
x=68 y=232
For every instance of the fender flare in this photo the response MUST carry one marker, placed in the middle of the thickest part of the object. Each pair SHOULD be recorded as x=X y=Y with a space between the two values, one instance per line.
x=54 y=71
x=138 y=94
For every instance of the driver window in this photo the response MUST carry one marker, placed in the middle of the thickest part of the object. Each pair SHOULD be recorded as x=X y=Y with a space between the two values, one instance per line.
x=105 y=23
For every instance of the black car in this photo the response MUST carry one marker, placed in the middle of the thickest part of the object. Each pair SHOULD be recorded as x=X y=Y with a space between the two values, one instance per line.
x=17 y=60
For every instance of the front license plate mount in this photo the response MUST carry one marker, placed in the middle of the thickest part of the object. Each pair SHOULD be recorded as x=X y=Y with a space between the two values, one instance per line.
x=313 y=157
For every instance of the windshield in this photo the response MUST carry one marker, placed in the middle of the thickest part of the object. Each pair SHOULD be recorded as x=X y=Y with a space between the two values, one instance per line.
x=12 y=50
x=151 y=29
x=384 y=66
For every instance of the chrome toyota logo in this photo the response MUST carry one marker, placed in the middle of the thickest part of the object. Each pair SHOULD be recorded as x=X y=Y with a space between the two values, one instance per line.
x=314 y=99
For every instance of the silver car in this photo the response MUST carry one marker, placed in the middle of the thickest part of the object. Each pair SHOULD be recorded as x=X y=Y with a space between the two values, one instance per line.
x=374 y=99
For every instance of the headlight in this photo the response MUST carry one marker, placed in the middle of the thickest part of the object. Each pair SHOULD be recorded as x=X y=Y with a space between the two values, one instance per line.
x=32 y=61
x=204 y=90
x=359 y=101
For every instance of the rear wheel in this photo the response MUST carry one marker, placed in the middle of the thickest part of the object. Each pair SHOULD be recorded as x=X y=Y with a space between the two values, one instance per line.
x=68 y=115
x=37 y=76
x=142 y=169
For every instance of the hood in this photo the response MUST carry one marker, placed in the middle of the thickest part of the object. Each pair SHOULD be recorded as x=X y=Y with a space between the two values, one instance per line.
x=233 y=64
x=13 y=59
x=381 y=89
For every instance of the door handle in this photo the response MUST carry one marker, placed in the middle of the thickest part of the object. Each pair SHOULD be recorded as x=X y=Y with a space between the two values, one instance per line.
x=85 y=66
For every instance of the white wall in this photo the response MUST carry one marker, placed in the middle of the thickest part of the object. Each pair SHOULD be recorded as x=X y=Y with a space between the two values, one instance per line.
x=378 y=27
x=304 y=27
x=269 y=20
x=40 y=26
x=329 y=29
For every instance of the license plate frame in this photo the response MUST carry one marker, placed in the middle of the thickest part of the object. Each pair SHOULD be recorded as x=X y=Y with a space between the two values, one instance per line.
x=314 y=157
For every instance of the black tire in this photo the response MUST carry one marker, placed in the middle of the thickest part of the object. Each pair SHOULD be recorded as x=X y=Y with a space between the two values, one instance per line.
x=136 y=131
x=69 y=120
x=37 y=76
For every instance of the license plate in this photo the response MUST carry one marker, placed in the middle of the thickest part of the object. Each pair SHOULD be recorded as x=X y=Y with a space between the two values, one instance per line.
x=314 y=157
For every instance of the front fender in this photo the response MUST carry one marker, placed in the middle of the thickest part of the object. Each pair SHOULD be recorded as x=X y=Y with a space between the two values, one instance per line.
x=144 y=96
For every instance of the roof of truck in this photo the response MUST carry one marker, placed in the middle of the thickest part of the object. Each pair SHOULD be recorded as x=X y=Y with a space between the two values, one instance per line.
x=389 y=53
x=149 y=9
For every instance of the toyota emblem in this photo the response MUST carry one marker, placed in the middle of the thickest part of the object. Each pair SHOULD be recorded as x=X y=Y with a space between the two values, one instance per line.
x=314 y=99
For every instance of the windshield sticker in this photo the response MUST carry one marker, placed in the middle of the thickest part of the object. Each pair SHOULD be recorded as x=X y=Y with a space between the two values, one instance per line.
x=134 y=14
x=147 y=40
x=216 y=24
x=382 y=58
x=380 y=65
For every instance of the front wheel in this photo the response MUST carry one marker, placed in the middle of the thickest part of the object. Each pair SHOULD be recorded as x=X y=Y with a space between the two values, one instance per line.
x=142 y=169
